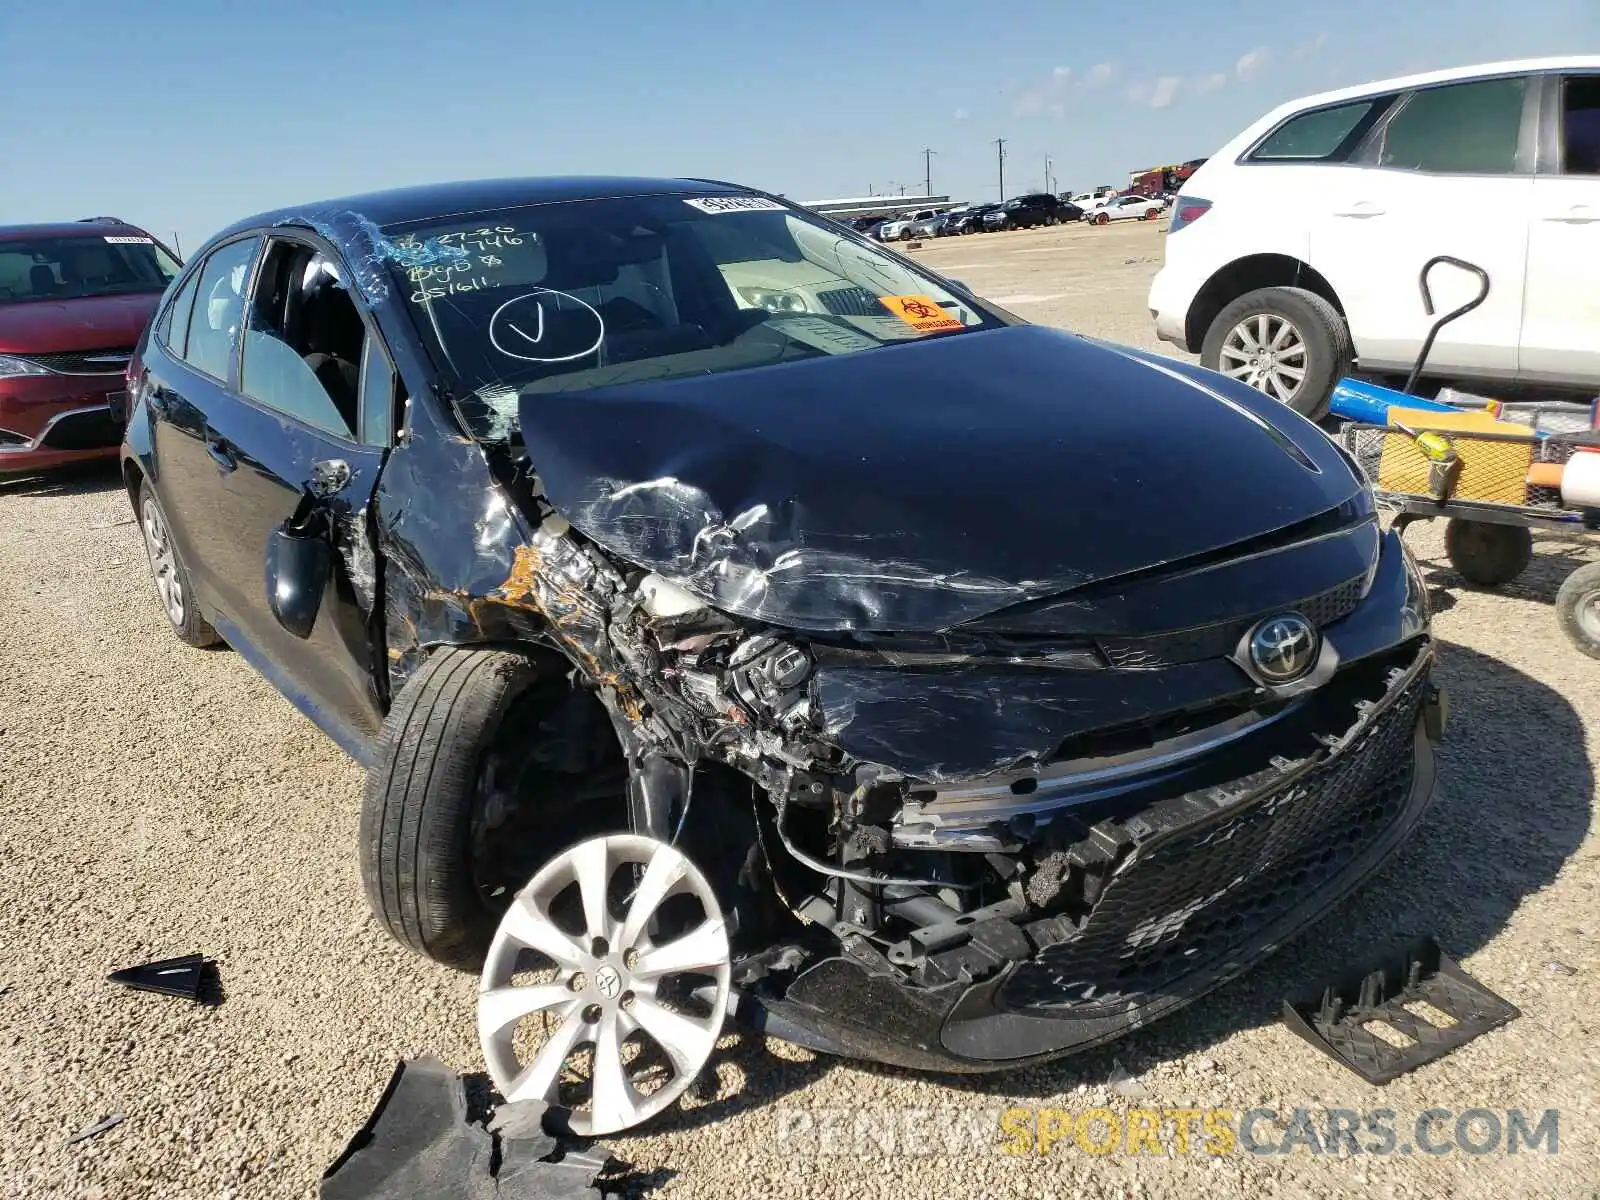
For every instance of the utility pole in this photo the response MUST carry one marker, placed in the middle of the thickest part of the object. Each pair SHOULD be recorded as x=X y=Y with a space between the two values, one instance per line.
x=1000 y=149
x=927 y=171
x=1047 y=186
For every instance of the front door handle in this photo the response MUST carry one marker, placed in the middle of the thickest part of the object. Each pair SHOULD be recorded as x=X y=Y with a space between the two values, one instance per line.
x=1361 y=208
x=221 y=450
x=1578 y=214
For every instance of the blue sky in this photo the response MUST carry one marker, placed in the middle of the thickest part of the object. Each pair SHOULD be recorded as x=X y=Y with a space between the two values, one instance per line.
x=184 y=115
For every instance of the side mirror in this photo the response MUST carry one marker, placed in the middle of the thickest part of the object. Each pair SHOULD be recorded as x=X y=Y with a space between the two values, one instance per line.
x=298 y=568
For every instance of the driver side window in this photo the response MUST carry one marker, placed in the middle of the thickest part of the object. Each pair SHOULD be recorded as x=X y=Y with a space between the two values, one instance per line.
x=305 y=341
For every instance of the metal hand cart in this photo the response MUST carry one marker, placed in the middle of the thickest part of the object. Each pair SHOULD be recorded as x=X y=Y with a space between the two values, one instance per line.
x=1480 y=482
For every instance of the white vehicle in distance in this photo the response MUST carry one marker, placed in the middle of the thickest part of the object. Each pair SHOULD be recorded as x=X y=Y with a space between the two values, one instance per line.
x=1126 y=208
x=899 y=229
x=1295 y=251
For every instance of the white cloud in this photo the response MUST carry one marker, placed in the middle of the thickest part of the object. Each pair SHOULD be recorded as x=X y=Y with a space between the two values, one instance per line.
x=1165 y=91
x=1137 y=92
x=1031 y=105
x=1034 y=100
x=1100 y=73
x=962 y=114
x=1210 y=83
x=1251 y=61
x=1307 y=49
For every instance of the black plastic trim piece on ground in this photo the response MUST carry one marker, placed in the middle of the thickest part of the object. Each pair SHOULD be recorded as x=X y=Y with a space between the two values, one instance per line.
x=189 y=977
x=1334 y=1019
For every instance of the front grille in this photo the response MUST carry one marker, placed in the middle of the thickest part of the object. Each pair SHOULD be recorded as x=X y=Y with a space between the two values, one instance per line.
x=851 y=302
x=81 y=362
x=92 y=429
x=1192 y=902
x=1220 y=639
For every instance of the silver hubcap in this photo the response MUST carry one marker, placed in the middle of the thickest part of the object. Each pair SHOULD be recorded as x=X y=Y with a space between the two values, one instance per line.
x=1589 y=616
x=614 y=1002
x=1268 y=353
x=163 y=563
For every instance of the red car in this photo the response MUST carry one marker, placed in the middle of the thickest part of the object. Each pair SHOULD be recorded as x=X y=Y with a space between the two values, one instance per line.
x=74 y=299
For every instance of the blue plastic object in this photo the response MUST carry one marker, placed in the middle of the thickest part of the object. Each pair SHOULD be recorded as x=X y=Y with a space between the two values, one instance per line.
x=1368 y=404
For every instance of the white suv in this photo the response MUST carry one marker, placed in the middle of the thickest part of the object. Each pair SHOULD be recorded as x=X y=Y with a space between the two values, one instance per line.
x=1295 y=252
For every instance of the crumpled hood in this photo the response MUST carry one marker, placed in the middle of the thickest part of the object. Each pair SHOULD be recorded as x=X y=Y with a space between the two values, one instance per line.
x=920 y=486
x=85 y=323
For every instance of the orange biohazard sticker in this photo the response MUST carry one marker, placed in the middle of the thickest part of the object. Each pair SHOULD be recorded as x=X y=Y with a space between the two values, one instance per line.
x=922 y=313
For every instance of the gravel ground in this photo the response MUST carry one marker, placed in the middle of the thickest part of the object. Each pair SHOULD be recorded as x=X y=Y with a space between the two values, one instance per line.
x=158 y=800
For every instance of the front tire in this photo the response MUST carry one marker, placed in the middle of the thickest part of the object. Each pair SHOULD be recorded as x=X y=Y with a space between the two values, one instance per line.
x=421 y=801
x=1287 y=343
x=169 y=575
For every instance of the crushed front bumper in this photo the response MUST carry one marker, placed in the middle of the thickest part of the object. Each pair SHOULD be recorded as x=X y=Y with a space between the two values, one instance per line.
x=1210 y=882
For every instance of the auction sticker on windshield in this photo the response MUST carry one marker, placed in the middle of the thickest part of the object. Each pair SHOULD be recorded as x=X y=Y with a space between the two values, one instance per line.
x=729 y=204
x=129 y=241
x=823 y=334
x=922 y=313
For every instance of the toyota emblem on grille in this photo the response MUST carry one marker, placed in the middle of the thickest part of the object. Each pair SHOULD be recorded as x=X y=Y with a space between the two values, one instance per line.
x=1282 y=649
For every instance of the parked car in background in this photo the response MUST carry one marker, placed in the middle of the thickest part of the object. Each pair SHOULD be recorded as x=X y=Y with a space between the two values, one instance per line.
x=969 y=220
x=928 y=226
x=1086 y=200
x=1294 y=252
x=74 y=298
x=900 y=229
x=1127 y=208
x=513 y=490
x=1026 y=212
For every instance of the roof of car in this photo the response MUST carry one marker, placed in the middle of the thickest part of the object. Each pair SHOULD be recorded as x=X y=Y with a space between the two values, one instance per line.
x=59 y=229
x=479 y=195
x=1519 y=66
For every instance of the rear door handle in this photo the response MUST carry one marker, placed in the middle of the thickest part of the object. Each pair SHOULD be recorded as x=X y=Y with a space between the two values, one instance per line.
x=221 y=450
x=1361 y=208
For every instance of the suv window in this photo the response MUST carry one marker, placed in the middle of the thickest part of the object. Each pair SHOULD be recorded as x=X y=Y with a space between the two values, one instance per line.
x=1465 y=128
x=1580 y=125
x=1318 y=135
x=305 y=341
x=213 y=327
x=87 y=264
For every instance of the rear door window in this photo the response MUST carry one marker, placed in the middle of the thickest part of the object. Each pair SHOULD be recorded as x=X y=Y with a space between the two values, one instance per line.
x=1462 y=128
x=174 y=328
x=1322 y=135
x=218 y=313
x=1580 y=125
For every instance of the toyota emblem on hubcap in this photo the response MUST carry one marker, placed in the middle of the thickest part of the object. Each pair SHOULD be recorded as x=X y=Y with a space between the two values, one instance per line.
x=608 y=982
x=1281 y=649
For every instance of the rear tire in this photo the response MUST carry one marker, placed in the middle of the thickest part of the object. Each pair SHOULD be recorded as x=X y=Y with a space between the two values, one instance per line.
x=1578 y=609
x=1329 y=352
x=1486 y=554
x=169 y=575
x=421 y=801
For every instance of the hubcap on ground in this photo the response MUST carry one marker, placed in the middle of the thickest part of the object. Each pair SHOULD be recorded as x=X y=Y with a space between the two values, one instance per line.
x=163 y=562
x=1267 y=352
x=595 y=912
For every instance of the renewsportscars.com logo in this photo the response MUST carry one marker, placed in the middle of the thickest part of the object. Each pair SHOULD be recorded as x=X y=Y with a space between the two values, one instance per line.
x=878 y=1132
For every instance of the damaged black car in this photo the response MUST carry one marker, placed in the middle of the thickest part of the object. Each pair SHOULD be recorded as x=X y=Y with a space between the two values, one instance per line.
x=823 y=642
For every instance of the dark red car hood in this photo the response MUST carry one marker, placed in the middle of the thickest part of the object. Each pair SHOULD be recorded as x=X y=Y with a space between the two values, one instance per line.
x=87 y=323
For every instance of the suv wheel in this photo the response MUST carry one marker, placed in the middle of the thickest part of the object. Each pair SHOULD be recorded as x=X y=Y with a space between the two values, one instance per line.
x=1287 y=343
x=1578 y=608
x=170 y=577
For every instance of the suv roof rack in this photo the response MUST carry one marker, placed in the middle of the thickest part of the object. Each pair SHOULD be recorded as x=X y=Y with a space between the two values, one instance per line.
x=101 y=221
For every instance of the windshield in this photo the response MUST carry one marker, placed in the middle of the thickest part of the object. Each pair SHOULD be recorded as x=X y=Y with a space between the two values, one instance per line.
x=588 y=294
x=69 y=268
